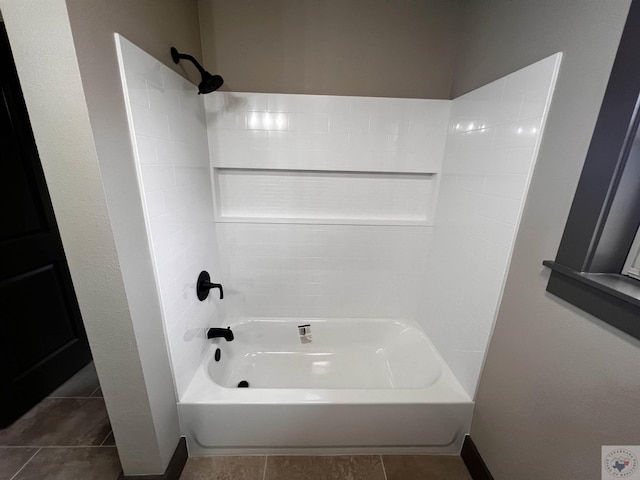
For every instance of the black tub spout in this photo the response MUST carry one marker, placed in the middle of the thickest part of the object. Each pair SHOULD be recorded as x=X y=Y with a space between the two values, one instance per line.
x=225 y=333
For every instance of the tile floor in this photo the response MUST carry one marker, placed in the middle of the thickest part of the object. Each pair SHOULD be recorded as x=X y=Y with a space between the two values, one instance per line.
x=68 y=437
x=361 y=467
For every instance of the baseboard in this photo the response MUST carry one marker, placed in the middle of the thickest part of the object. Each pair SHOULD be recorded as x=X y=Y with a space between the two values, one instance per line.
x=473 y=461
x=174 y=469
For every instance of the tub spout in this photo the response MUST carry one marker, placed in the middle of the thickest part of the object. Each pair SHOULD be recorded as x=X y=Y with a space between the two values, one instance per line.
x=225 y=333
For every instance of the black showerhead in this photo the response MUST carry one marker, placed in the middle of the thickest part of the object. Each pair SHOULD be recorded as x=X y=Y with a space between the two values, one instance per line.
x=209 y=83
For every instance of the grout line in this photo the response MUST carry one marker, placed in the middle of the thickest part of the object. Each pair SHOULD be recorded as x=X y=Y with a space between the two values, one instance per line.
x=57 y=446
x=76 y=398
x=384 y=470
x=105 y=439
x=25 y=464
x=92 y=393
x=264 y=472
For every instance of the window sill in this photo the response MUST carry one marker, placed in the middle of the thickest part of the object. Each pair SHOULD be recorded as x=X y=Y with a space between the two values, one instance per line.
x=613 y=298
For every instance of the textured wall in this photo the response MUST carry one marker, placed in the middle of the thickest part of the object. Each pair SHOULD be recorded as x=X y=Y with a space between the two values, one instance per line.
x=155 y=26
x=557 y=382
x=96 y=199
x=140 y=401
x=379 y=48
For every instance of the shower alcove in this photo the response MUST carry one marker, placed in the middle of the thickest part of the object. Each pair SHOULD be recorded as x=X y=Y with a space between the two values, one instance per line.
x=384 y=224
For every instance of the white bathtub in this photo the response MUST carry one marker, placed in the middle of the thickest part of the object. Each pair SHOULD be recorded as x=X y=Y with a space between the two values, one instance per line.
x=351 y=386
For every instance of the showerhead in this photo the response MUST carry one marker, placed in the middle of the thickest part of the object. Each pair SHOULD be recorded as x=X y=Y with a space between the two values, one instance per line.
x=209 y=83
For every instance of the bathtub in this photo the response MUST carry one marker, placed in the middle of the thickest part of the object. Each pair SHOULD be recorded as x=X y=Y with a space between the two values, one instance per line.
x=324 y=386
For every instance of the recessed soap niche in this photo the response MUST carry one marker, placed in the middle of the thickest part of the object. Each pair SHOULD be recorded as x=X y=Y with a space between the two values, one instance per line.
x=323 y=196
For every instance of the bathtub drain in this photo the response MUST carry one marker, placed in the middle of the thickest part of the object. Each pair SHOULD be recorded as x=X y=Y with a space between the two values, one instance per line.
x=243 y=384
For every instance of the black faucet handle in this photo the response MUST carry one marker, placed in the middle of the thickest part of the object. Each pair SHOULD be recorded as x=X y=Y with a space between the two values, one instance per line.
x=210 y=285
x=204 y=284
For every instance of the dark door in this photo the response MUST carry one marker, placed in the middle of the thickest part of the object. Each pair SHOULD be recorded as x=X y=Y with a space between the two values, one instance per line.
x=42 y=339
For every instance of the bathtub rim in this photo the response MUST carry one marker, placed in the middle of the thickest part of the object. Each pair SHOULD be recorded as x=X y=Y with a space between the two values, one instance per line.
x=204 y=390
x=388 y=336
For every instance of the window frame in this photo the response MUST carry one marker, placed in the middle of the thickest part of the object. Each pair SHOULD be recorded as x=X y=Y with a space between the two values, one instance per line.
x=605 y=215
x=632 y=265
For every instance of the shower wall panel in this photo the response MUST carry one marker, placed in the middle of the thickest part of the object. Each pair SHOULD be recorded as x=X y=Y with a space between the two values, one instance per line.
x=492 y=144
x=168 y=133
x=307 y=270
x=324 y=203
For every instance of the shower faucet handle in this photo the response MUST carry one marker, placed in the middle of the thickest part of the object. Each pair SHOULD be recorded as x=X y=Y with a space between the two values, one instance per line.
x=204 y=284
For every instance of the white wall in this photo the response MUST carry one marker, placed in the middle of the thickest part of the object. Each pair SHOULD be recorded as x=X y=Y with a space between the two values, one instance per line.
x=494 y=133
x=296 y=270
x=169 y=139
x=324 y=204
x=324 y=132
x=557 y=383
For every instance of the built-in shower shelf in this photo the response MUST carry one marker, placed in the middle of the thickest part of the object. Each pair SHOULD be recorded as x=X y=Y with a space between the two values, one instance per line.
x=323 y=197
x=323 y=221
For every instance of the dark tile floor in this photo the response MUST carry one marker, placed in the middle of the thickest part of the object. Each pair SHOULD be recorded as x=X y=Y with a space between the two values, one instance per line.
x=68 y=437
x=360 y=467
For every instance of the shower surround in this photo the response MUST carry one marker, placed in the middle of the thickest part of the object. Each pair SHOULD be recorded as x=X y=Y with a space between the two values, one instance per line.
x=169 y=138
x=347 y=211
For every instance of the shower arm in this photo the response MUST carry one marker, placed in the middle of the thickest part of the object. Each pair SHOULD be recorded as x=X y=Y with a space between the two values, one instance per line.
x=176 y=57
